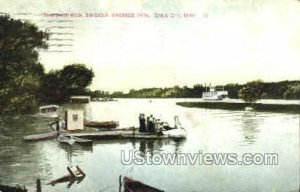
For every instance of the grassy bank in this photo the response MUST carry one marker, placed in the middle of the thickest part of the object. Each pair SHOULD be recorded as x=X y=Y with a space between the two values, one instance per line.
x=284 y=108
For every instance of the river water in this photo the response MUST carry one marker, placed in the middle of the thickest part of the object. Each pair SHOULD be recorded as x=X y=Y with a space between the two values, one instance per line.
x=209 y=131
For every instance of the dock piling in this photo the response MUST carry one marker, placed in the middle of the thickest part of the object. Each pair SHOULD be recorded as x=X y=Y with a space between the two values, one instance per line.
x=38 y=185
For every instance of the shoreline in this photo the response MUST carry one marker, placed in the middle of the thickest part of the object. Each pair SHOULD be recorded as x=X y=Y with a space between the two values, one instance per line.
x=260 y=107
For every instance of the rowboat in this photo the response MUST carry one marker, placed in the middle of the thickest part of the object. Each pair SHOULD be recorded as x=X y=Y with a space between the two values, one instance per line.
x=71 y=140
x=7 y=188
x=83 y=141
x=101 y=124
x=131 y=185
x=65 y=140
x=40 y=137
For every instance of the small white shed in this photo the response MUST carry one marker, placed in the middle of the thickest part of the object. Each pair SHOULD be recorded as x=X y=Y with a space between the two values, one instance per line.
x=74 y=119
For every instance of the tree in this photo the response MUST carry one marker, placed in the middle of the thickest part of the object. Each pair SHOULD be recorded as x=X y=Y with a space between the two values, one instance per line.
x=73 y=79
x=252 y=91
x=293 y=92
x=51 y=87
x=19 y=67
x=76 y=76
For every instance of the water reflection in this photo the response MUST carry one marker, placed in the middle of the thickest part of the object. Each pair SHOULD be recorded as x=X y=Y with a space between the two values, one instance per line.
x=23 y=162
x=151 y=147
x=75 y=150
x=147 y=147
x=250 y=123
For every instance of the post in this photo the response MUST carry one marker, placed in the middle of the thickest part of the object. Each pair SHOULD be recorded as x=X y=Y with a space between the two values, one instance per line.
x=120 y=183
x=80 y=171
x=71 y=172
x=38 y=185
x=66 y=120
x=57 y=124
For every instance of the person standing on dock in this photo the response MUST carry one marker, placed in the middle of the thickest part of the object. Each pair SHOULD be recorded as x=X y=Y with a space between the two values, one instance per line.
x=147 y=124
x=151 y=124
x=142 y=121
x=156 y=125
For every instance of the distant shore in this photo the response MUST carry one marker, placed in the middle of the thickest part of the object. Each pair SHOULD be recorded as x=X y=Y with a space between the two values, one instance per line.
x=282 y=108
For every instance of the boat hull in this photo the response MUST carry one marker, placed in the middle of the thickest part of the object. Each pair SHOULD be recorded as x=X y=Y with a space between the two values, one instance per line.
x=40 y=137
x=131 y=185
x=71 y=140
x=101 y=124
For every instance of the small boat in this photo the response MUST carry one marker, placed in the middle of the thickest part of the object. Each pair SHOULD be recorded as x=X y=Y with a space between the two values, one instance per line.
x=72 y=139
x=131 y=185
x=104 y=99
x=65 y=140
x=83 y=141
x=176 y=132
x=49 y=111
x=179 y=133
x=7 y=188
x=249 y=109
x=101 y=124
x=40 y=137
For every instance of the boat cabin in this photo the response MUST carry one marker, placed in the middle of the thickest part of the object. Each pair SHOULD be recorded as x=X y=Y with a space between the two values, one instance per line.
x=49 y=110
x=80 y=99
x=214 y=94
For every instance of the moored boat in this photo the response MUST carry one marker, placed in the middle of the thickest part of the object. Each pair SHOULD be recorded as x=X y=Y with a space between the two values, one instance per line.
x=40 y=137
x=104 y=99
x=101 y=124
x=65 y=140
x=49 y=111
x=7 y=188
x=166 y=132
x=72 y=139
x=83 y=141
x=131 y=185
x=176 y=132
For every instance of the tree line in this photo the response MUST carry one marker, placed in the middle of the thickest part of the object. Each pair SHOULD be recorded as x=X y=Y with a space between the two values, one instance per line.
x=255 y=90
x=24 y=84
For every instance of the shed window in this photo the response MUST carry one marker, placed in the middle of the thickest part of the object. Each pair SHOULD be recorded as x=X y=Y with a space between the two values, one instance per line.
x=75 y=117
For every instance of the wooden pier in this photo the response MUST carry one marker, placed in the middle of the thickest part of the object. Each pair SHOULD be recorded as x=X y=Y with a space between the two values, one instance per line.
x=128 y=133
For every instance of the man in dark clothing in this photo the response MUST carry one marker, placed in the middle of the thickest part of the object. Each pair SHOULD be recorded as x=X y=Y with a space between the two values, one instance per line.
x=142 y=123
x=147 y=124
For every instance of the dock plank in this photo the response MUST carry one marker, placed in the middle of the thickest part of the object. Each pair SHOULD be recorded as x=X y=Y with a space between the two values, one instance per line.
x=119 y=134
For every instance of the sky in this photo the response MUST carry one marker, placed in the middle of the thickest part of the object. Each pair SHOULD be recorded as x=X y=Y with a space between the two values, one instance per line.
x=223 y=41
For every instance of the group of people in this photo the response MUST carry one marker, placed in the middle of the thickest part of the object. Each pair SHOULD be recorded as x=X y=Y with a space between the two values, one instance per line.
x=150 y=124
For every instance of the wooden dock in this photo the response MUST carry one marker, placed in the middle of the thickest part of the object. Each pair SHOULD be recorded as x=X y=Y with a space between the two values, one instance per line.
x=119 y=134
